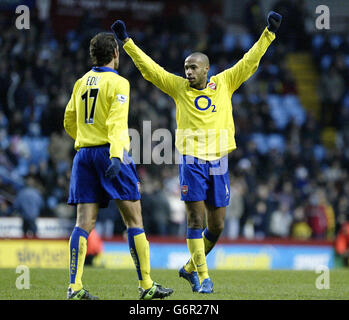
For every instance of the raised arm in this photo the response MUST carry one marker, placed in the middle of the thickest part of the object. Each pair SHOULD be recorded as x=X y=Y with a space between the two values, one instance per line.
x=248 y=65
x=116 y=124
x=117 y=118
x=70 y=115
x=150 y=70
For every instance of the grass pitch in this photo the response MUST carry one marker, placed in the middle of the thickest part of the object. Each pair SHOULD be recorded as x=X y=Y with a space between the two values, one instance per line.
x=108 y=284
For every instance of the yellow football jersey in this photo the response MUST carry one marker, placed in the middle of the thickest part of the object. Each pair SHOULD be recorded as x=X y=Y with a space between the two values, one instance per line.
x=205 y=125
x=97 y=112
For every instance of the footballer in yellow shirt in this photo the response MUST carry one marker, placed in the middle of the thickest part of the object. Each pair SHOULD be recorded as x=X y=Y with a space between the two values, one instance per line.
x=96 y=117
x=204 y=136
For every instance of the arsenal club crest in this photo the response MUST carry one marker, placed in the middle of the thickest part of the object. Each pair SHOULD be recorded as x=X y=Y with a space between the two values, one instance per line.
x=184 y=190
x=212 y=86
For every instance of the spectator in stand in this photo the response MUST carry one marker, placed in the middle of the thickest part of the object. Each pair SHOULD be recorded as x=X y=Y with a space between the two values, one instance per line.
x=300 y=229
x=342 y=243
x=281 y=221
x=177 y=217
x=317 y=219
x=235 y=209
x=330 y=216
x=261 y=220
x=5 y=208
x=253 y=17
x=28 y=204
x=161 y=209
x=332 y=89
x=106 y=220
x=34 y=90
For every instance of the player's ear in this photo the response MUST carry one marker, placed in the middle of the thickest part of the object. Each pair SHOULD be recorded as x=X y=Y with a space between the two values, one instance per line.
x=116 y=53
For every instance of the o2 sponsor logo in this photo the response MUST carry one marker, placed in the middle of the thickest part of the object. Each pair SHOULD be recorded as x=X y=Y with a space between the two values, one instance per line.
x=203 y=106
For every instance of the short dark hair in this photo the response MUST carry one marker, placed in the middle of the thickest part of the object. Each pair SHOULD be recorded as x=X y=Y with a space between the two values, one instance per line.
x=102 y=47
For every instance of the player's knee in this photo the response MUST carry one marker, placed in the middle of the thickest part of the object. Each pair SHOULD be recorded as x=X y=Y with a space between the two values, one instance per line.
x=87 y=226
x=86 y=216
x=195 y=221
x=216 y=227
x=131 y=213
x=86 y=223
x=134 y=221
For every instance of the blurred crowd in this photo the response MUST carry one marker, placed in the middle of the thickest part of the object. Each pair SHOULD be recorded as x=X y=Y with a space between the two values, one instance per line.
x=285 y=180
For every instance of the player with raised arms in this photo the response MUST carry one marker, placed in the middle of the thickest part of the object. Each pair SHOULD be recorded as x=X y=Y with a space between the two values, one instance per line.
x=96 y=117
x=204 y=136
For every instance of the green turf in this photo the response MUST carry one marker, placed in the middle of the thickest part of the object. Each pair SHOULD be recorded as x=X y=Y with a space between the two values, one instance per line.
x=228 y=285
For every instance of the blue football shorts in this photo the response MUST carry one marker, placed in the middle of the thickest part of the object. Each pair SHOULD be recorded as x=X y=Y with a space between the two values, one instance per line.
x=88 y=183
x=202 y=180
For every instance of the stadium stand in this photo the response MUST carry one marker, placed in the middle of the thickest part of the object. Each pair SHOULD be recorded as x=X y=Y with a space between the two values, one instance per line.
x=289 y=175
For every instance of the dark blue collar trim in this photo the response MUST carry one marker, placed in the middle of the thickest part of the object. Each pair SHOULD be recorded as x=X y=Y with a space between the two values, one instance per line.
x=103 y=69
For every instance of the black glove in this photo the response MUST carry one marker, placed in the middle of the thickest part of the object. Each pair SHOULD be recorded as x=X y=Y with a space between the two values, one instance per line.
x=114 y=169
x=274 y=21
x=119 y=29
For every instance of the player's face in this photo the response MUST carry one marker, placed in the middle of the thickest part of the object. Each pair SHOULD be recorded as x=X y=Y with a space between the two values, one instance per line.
x=196 y=72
